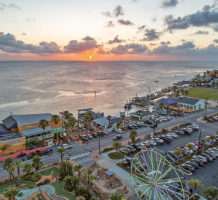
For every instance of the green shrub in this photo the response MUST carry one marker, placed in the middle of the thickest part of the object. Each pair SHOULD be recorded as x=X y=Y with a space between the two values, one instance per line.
x=107 y=149
x=83 y=191
x=32 y=177
x=115 y=155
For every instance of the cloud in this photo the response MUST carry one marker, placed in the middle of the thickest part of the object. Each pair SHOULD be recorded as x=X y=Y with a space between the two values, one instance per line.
x=202 y=32
x=107 y=14
x=110 y=24
x=186 y=49
x=8 y=43
x=24 y=34
x=215 y=28
x=12 y=5
x=125 y=22
x=116 y=40
x=118 y=11
x=205 y=17
x=168 y=42
x=132 y=48
x=74 y=46
x=141 y=28
x=30 y=19
x=169 y=3
x=151 y=34
x=216 y=41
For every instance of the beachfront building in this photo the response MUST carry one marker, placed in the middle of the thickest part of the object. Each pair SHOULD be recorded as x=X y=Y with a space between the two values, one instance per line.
x=21 y=132
x=168 y=101
x=192 y=104
x=82 y=113
x=143 y=115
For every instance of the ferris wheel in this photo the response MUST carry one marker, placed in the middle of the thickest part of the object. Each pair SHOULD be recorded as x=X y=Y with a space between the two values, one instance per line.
x=155 y=178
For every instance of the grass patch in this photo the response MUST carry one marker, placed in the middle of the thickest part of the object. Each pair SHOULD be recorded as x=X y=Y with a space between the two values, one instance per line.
x=48 y=172
x=41 y=197
x=107 y=149
x=123 y=167
x=59 y=191
x=115 y=155
x=203 y=93
x=23 y=185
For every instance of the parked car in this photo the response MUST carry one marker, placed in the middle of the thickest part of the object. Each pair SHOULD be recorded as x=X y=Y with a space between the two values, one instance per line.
x=180 y=132
x=132 y=149
x=209 y=158
x=117 y=137
x=120 y=131
x=194 y=164
x=167 y=139
x=90 y=136
x=153 y=143
x=199 y=162
x=210 y=154
x=173 y=135
x=158 y=140
x=203 y=159
x=188 y=167
x=124 y=151
x=170 y=158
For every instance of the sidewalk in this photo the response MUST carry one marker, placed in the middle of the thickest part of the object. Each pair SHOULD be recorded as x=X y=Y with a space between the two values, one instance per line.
x=111 y=165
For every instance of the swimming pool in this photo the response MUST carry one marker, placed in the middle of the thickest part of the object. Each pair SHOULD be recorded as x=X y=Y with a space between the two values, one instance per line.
x=27 y=192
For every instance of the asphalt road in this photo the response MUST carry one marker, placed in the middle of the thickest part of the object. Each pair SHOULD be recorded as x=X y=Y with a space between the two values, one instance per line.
x=92 y=145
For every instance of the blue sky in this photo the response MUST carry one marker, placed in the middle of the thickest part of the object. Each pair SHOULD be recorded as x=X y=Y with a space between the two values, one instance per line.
x=108 y=29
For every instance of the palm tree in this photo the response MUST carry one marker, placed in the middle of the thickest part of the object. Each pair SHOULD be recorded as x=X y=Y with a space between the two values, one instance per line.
x=4 y=148
x=117 y=145
x=55 y=119
x=8 y=165
x=19 y=165
x=61 y=151
x=177 y=152
x=37 y=163
x=133 y=134
x=43 y=124
x=27 y=168
x=67 y=126
x=11 y=193
x=195 y=183
x=90 y=176
x=117 y=196
x=78 y=168
x=211 y=193
x=67 y=114
x=109 y=119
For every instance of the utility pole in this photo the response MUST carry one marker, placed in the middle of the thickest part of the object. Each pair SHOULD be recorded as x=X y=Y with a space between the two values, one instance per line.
x=99 y=145
x=199 y=142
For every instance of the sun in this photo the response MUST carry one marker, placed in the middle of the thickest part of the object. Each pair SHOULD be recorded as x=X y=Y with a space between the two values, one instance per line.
x=90 y=57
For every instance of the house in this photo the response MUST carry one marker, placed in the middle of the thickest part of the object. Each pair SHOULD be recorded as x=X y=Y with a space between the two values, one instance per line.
x=143 y=115
x=168 y=101
x=19 y=132
x=115 y=121
x=102 y=122
x=188 y=103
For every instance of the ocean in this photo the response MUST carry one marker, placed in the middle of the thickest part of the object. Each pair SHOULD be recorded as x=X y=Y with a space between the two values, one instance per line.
x=51 y=86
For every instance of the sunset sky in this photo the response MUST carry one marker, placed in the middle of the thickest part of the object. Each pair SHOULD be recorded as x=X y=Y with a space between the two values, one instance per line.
x=108 y=30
